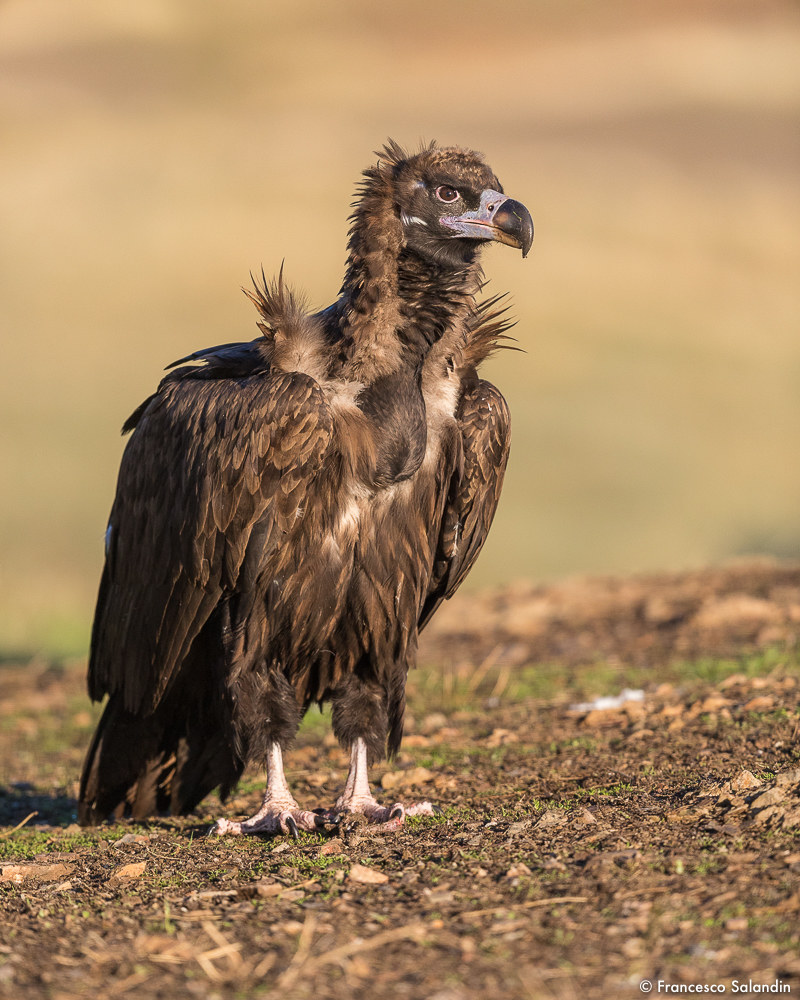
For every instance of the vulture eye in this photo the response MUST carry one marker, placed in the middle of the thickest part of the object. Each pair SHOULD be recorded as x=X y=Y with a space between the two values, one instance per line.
x=445 y=193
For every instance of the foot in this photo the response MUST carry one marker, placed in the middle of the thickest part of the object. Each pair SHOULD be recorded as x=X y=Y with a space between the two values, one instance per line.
x=283 y=816
x=279 y=813
x=385 y=818
x=357 y=799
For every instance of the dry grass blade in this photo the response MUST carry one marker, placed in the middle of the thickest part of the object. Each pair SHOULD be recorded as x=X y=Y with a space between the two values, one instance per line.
x=19 y=825
x=527 y=905
x=121 y=986
x=225 y=949
x=292 y=972
x=502 y=681
x=264 y=966
x=484 y=668
x=409 y=932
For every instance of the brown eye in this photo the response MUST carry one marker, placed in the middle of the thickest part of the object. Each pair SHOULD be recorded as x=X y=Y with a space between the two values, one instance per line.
x=445 y=193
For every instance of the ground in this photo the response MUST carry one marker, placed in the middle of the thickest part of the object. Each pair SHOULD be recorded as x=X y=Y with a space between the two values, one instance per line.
x=584 y=846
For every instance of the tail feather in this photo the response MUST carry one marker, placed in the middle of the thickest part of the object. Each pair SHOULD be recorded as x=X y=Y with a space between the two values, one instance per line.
x=165 y=762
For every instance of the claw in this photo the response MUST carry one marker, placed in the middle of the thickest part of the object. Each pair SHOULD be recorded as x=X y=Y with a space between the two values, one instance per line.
x=397 y=811
x=289 y=820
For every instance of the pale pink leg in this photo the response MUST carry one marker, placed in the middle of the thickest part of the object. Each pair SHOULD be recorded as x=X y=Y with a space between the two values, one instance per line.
x=279 y=813
x=357 y=797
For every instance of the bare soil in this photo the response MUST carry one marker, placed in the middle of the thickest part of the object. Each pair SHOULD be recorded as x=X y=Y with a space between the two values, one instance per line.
x=584 y=846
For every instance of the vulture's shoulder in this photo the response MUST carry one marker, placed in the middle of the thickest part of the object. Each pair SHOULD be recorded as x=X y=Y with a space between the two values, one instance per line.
x=293 y=343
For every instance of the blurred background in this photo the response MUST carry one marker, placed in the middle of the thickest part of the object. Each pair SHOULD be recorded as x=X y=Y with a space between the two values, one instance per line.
x=154 y=153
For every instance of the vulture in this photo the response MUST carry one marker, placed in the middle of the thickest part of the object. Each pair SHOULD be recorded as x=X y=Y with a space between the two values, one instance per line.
x=291 y=511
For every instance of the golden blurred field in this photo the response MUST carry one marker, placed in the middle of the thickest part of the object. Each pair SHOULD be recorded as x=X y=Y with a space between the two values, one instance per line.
x=154 y=153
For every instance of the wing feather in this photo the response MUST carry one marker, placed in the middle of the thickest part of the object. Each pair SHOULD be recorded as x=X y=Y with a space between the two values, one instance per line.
x=485 y=425
x=212 y=465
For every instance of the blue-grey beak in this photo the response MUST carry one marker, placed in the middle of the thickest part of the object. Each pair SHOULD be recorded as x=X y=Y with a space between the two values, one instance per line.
x=496 y=218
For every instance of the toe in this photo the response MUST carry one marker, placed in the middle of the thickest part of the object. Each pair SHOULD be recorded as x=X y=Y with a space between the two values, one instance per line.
x=223 y=827
x=422 y=809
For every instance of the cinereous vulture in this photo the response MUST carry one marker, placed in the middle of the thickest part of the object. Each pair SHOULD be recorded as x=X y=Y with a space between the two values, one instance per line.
x=291 y=510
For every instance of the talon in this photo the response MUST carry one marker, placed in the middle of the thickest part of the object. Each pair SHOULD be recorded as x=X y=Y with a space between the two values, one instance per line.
x=291 y=823
x=437 y=810
x=398 y=812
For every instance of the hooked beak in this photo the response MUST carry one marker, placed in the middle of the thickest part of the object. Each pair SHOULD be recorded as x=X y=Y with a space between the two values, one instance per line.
x=496 y=218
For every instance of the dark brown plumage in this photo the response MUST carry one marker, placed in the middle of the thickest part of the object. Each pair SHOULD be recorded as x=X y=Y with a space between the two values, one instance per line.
x=292 y=510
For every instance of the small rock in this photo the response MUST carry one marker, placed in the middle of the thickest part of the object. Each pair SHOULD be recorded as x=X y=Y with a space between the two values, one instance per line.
x=130 y=838
x=551 y=818
x=127 y=873
x=744 y=779
x=414 y=776
x=334 y=846
x=432 y=723
x=734 y=680
x=515 y=829
x=770 y=797
x=500 y=738
x=416 y=740
x=633 y=948
x=19 y=873
x=634 y=710
x=318 y=778
x=761 y=703
x=267 y=889
x=367 y=876
x=736 y=924
x=515 y=871
x=712 y=703
x=584 y=818
x=604 y=718
x=765 y=816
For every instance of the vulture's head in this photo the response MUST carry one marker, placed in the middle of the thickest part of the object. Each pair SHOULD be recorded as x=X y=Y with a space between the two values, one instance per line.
x=448 y=203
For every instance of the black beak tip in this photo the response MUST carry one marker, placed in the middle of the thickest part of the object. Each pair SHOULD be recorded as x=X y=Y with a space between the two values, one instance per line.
x=526 y=230
x=515 y=220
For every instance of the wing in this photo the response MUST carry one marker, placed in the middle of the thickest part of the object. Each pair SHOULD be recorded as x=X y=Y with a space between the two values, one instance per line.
x=485 y=426
x=209 y=485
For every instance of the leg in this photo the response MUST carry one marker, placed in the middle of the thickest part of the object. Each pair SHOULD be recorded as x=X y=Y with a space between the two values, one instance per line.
x=357 y=797
x=279 y=813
